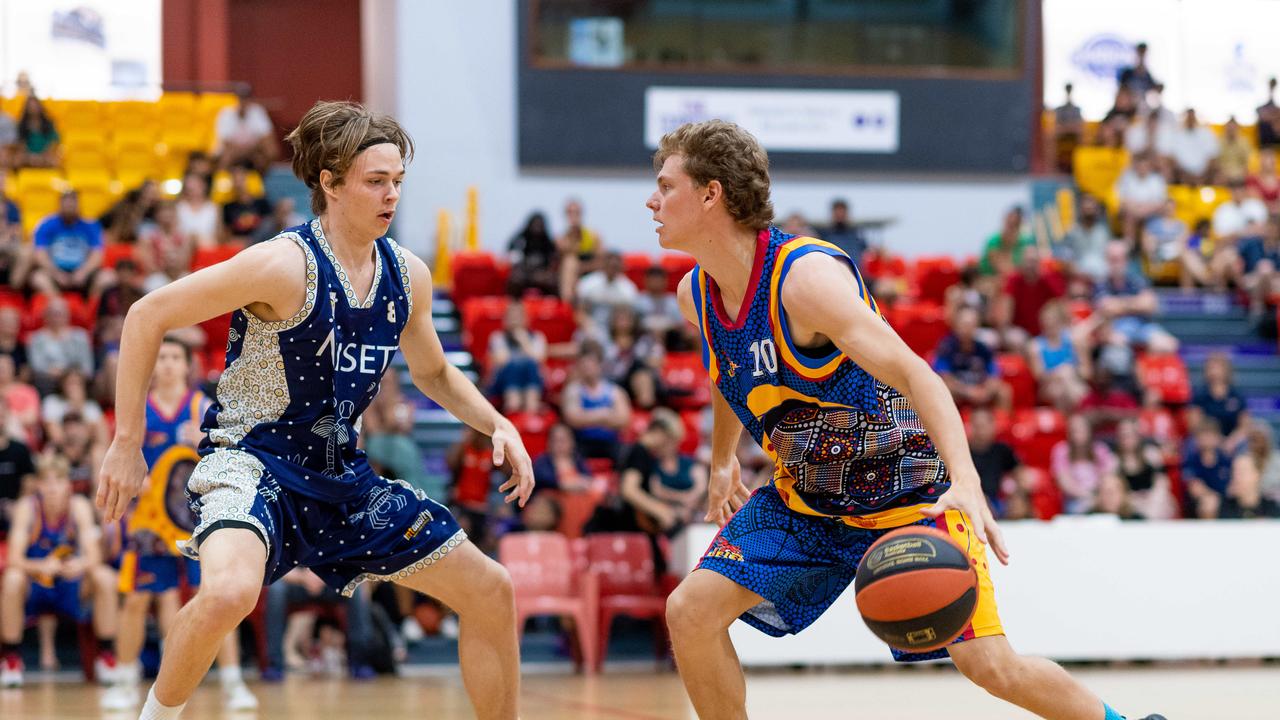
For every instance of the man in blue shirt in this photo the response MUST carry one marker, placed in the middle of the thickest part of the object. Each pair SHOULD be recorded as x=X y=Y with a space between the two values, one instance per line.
x=1125 y=298
x=1206 y=471
x=68 y=250
x=968 y=367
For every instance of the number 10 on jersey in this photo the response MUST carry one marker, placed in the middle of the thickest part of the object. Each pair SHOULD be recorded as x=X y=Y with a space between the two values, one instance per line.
x=765 y=354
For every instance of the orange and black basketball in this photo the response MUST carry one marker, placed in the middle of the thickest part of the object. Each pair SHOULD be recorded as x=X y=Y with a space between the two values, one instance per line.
x=916 y=589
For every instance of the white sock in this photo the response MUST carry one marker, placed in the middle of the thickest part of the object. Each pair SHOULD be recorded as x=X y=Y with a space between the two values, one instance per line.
x=230 y=675
x=129 y=673
x=153 y=710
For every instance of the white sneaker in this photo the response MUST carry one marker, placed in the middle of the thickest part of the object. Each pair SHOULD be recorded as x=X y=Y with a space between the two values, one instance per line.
x=239 y=698
x=106 y=670
x=120 y=697
x=412 y=630
x=11 y=671
x=449 y=627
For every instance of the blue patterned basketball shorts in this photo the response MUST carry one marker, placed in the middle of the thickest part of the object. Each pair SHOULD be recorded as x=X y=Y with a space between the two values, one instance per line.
x=388 y=532
x=799 y=564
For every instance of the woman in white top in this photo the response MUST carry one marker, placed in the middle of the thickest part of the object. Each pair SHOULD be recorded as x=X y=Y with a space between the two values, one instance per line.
x=197 y=214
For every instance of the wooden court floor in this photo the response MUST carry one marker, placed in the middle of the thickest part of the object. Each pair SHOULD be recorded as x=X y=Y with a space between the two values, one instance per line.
x=1179 y=692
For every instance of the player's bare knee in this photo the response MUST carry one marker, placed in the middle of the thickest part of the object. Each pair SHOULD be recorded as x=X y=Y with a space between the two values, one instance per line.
x=231 y=596
x=686 y=612
x=136 y=603
x=989 y=673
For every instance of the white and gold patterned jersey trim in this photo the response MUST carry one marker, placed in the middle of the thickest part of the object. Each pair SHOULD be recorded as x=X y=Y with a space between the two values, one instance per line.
x=403 y=266
x=309 y=303
x=352 y=300
x=436 y=555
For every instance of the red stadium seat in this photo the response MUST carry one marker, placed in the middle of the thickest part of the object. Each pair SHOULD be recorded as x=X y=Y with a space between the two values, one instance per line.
x=1034 y=432
x=1015 y=371
x=577 y=507
x=552 y=317
x=555 y=374
x=534 y=429
x=677 y=266
x=920 y=325
x=639 y=423
x=113 y=253
x=542 y=570
x=634 y=266
x=934 y=275
x=1167 y=375
x=623 y=563
x=1046 y=496
x=686 y=380
x=205 y=257
x=477 y=274
x=481 y=317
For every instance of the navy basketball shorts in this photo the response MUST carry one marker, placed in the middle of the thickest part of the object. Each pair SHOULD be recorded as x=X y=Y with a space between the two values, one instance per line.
x=157 y=573
x=61 y=599
x=389 y=531
x=799 y=564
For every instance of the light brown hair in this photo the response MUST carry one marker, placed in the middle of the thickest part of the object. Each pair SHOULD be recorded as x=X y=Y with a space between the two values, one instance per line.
x=331 y=135
x=719 y=150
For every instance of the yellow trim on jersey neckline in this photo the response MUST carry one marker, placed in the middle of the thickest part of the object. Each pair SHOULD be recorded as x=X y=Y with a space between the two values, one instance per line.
x=713 y=365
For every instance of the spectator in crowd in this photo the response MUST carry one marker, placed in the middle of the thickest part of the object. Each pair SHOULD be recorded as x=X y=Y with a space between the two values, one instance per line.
x=842 y=233
x=245 y=213
x=470 y=462
x=1126 y=299
x=11 y=340
x=1110 y=398
x=122 y=223
x=1259 y=258
x=8 y=140
x=1265 y=184
x=594 y=407
x=1113 y=498
x=1142 y=193
x=796 y=224
x=633 y=359
x=1084 y=245
x=83 y=445
x=535 y=262
x=1205 y=263
x=1078 y=465
x=561 y=467
x=1137 y=77
x=1147 y=135
x=1030 y=288
x=1164 y=241
x=663 y=487
x=542 y=513
x=1245 y=497
x=37 y=136
x=995 y=461
x=1054 y=360
x=175 y=262
x=1194 y=148
x=1269 y=119
x=1206 y=471
x=289 y=635
x=968 y=366
x=1141 y=465
x=23 y=404
x=58 y=347
x=72 y=397
x=67 y=251
x=197 y=214
x=1118 y=117
x=244 y=134
x=1219 y=399
x=658 y=308
x=1068 y=131
x=17 y=472
x=516 y=355
x=605 y=289
x=388 y=433
x=1003 y=251
x=162 y=242
x=579 y=247
x=1233 y=154
x=15 y=255
x=284 y=215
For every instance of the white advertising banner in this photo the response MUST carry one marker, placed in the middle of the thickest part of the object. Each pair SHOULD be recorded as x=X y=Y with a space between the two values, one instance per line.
x=1213 y=55
x=82 y=49
x=830 y=121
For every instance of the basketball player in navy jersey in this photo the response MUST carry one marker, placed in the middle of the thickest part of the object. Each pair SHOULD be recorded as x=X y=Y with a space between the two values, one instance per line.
x=318 y=313
x=863 y=434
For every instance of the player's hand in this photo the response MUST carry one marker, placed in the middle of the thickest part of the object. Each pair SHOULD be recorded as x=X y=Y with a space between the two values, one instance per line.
x=725 y=493
x=507 y=447
x=967 y=498
x=72 y=568
x=123 y=470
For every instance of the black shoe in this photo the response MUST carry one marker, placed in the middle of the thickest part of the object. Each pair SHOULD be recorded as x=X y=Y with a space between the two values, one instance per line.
x=1155 y=717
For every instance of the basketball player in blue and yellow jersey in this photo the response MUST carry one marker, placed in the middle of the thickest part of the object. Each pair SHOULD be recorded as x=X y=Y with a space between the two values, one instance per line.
x=54 y=560
x=317 y=315
x=863 y=434
x=152 y=567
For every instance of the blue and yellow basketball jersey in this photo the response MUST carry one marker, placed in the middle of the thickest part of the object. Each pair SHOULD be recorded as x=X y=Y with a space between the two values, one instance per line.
x=163 y=517
x=51 y=539
x=843 y=443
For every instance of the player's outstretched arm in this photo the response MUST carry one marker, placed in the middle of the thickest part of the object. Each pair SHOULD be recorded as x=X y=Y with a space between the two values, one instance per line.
x=725 y=491
x=445 y=384
x=807 y=296
x=269 y=279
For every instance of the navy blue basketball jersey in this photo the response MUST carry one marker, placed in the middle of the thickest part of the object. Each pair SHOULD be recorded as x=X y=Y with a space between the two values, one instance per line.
x=293 y=390
x=843 y=443
x=51 y=538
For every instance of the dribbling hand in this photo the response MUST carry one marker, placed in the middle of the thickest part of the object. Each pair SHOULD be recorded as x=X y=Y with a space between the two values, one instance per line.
x=725 y=493
x=968 y=499
x=123 y=471
x=507 y=447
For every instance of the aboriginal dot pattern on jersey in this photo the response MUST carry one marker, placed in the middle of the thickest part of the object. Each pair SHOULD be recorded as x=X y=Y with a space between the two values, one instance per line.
x=853 y=445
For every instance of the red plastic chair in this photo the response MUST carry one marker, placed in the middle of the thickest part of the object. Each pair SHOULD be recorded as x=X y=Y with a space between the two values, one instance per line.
x=542 y=570
x=577 y=507
x=635 y=265
x=1167 y=375
x=113 y=253
x=623 y=562
x=692 y=421
x=478 y=274
x=934 y=275
x=212 y=256
x=552 y=317
x=481 y=317
x=1015 y=371
x=677 y=266
x=534 y=429
x=555 y=375
x=920 y=325
x=686 y=381
x=1034 y=432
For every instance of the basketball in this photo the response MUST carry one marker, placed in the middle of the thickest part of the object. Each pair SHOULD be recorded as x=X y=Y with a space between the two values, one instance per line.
x=916 y=589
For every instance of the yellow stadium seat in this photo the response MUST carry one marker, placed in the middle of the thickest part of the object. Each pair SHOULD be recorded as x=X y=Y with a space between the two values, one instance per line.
x=12 y=106
x=72 y=115
x=177 y=111
x=1066 y=201
x=222 y=189
x=177 y=144
x=133 y=116
x=82 y=149
x=95 y=189
x=1098 y=168
x=1210 y=198
x=1186 y=203
x=37 y=193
